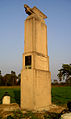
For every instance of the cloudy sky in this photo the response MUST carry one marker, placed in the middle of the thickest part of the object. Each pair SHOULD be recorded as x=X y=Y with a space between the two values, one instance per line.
x=12 y=16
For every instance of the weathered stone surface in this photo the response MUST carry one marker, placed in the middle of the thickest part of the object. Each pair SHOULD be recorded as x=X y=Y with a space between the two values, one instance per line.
x=9 y=107
x=55 y=108
x=6 y=100
x=16 y=110
x=66 y=116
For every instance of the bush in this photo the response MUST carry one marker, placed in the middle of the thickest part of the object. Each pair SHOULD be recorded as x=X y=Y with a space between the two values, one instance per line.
x=69 y=106
x=10 y=117
x=52 y=116
x=30 y=115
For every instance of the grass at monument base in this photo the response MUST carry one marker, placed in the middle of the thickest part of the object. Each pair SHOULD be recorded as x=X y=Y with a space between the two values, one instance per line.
x=60 y=95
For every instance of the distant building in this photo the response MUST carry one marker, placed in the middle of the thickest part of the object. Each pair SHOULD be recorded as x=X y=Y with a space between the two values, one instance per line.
x=55 y=81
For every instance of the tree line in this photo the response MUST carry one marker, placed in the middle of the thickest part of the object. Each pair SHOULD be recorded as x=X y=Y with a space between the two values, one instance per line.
x=65 y=73
x=10 y=79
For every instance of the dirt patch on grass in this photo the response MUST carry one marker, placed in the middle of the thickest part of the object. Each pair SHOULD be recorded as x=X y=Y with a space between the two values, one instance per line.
x=9 y=86
x=11 y=109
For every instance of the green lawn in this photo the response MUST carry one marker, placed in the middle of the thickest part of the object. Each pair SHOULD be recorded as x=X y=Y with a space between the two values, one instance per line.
x=60 y=95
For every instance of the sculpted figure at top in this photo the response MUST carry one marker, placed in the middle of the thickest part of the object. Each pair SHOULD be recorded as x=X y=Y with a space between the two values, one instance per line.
x=28 y=10
x=35 y=11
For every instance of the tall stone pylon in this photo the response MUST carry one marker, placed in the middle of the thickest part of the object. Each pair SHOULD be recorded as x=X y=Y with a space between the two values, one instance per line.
x=35 y=74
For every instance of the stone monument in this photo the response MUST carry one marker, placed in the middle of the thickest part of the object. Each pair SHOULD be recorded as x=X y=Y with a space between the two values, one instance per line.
x=35 y=74
x=6 y=98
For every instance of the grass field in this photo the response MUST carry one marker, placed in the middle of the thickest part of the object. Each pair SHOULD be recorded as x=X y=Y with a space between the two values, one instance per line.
x=60 y=95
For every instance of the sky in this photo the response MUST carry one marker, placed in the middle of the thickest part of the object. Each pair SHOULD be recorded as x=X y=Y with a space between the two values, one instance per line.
x=12 y=17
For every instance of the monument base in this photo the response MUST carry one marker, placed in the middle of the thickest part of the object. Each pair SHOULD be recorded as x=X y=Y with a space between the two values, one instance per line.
x=35 y=89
